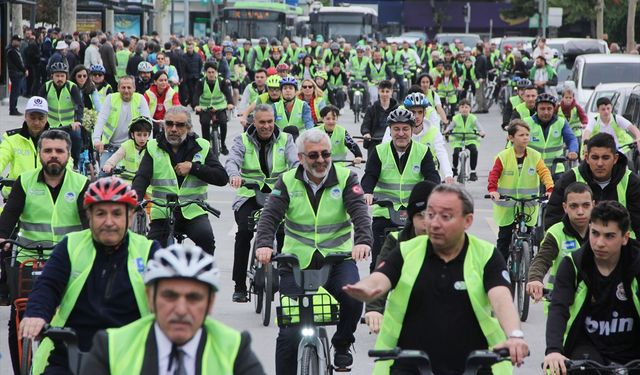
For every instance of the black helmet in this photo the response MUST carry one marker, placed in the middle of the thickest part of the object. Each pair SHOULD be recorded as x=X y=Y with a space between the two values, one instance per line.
x=546 y=98
x=401 y=116
x=523 y=83
x=59 y=67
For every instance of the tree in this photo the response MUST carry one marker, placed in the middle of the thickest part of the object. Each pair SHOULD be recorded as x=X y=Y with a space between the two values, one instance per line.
x=631 y=28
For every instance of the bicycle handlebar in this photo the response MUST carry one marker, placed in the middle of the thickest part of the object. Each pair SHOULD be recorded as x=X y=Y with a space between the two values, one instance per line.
x=65 y=334
x=586 y=364
x=520 y=200
x=35 y=245
x=202 y=204
x=6 y=182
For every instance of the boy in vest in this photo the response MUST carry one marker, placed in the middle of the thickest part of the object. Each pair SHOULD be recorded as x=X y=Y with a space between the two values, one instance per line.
x=194 y=340
x=615 y=125
x=514 y=101
x=465 y=122
x=595 y=310
x=377 y=71
x=292 y=111
x=341 y=140
x=517 y=171
x=528 y=107
x=573 y=112
x=562 y=238
x=131 y=151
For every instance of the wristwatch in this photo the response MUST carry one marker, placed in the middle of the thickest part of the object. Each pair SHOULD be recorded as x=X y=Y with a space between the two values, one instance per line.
x=516 y=334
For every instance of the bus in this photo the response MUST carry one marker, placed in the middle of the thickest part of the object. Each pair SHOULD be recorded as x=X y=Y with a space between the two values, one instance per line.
x=253 y=20
x=348 y=22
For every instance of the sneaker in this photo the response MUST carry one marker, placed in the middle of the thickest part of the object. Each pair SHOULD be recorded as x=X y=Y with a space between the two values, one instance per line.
x=455 y=173
x=473 y=176
x=240 y=296
x=15 y=113
x=223 y=150
x=342 y=358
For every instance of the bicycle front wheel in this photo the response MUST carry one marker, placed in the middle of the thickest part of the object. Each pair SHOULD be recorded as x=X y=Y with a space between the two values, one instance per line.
x=462 y=176
x=27 y=355
x=215 y=141
x=521 y=282
x=310 y=363
x=268 y=295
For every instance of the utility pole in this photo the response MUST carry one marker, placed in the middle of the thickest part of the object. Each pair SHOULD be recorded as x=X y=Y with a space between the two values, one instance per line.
x=467 y=17
x=16 y=19
x=68 y=16
x=599 y=19
x=185 y=29
x=173 y=9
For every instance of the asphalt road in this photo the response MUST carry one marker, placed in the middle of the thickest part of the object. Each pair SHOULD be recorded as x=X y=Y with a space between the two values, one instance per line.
x=242 y=316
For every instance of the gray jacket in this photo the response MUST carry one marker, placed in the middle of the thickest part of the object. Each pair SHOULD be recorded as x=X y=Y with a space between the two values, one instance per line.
x=236 y=156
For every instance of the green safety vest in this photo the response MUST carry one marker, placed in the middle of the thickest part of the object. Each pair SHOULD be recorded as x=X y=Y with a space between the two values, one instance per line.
x=114 y=113
x=622 y=137
x=164 y=181
x=621 y=188
x=430 y=97
x=132 y=159
x=464 y=126
x=273 y=64
x=553 y=146
x=358 y=68
x=332 y=60
x=519 y=183
x=414 y=254
x=212 y=99
x=472 y=72
x=122 y=58
x=207 y=51
x=218 y=357
x=103 y=92
x=294 y=118
x=338 y=149
x=259 y=56
x=293 y=54
x=395 y=62
x=429 y=139
x=448 y=90
x=573 y=120
x=18 y=152
x=82 y=253
x=232 y=68
x=392 y=184
x=61 y=108
x=523 y=110
x=153 y=100
x=42 y=219
x=566 y=245
x=251 y=171
x=335 y=82
x=327 y=230
x=377 y=75
x=312 y=71
x=516 y=100
x=253 y=94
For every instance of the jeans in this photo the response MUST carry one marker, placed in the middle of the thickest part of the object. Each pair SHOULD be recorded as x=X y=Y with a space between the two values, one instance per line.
x=350 y=311
x=76 y=144
x=378 y=227
x=480 y=99
x=106 y=154
x=197 y=229
x=16 y=86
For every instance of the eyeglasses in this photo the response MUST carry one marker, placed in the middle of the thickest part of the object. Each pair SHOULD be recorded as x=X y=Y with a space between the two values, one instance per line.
x=97 y=74
x=171 y=124
x=81 y=76
x=314 y=155
x=307 y=87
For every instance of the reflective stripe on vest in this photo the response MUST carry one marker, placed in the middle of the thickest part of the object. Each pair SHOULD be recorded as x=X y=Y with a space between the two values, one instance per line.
x=61 y=108
x=82 y=254
x=327 y=230
x=114 y=114
x=550 y=147
x=127 y=345
x=520 y=183
x=212 y=98
x=153 y=100
x=391 y=184
x=164 y=181
x=294 y=118
x=251 y=170
x=464 y=126
x=413 y=254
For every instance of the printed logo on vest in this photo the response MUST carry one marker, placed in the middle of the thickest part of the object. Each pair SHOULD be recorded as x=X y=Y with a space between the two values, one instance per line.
x=460 y=285
x=336 y=192
x=416 y=168
x=69 y=196
x=556 y=133
x=36 y=191
x=280 y=150
x=535 y=139
x=140 y=264
x=531 y=171
x=570 y=245
x=197 y=157
x=24 y=152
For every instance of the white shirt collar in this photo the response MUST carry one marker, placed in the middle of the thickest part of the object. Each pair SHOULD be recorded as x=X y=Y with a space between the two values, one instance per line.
x=164 y=347
x=315 y=187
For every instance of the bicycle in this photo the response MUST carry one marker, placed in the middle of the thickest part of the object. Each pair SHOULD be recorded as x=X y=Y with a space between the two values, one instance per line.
x=358 y=93
x=447 y=106
x=521 y=251
x=397 y=217
x=477 y=360
x=216 y=142
x=349 y=163
x=140 y=222
x=262 y=280
x=172 y=204
x=312 y=311
x=633 y=156
x=490 y=88
x=65 y=335
x=576 y=366
x=463 y=155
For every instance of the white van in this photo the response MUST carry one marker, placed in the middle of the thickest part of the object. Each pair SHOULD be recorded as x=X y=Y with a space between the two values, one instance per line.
x=591 y=70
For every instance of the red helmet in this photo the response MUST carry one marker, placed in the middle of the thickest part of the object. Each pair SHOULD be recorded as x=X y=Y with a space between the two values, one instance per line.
x=217 y=49
x=508 y=46
x=282 y=67
x=271 y=71
x=110 y=189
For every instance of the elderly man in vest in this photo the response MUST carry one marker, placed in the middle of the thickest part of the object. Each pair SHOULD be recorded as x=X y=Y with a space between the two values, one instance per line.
x=48 y=203
x=183 y=164
x=179 y=337
x=259 y=156
x=319 y=202
x=446 y=283
x=112 y=127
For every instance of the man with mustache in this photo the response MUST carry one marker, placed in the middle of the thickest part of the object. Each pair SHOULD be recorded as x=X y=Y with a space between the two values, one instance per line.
x=179 y=337
x=319 y=202
x=93 y=278
x=48 y=203
x=181 y=163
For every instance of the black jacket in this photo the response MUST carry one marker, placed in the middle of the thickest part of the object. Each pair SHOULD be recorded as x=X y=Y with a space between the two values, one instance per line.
x=14 y=62
x=375 y=119
x=224 y=85
x=554 y=208
x=177 y=59
x=192 y=66
x=132 y=64
x=32 y=54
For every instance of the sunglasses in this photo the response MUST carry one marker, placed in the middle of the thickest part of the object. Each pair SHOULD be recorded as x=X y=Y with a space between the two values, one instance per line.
x=314 y=155
x=171 y=124
x=307 y=87
x=97 y=74
x=81 y=75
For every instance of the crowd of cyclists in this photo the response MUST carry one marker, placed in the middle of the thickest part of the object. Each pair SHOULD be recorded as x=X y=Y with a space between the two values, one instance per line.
x=108 y=126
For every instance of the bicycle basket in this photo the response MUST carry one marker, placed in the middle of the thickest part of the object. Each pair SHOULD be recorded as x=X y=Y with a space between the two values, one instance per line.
x=22 y=276
x=325 y=309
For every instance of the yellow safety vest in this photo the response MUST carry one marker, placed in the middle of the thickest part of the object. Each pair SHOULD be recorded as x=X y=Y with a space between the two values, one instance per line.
x=114 y=113
x=251 y=171
x=61 y=107
x=153 y=100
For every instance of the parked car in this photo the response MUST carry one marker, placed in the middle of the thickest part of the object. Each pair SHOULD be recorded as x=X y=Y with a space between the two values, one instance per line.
x=577 y=46
x=626 y=102
x=469 y=40
x=409 y=36
x=608 y=90
x=514 y=40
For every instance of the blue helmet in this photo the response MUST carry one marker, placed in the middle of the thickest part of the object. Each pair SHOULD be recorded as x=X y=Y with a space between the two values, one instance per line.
x=416 y=99
x=289 y=81
x=97 y=68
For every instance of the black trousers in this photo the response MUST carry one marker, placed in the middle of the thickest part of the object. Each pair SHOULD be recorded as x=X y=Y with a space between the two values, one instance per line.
x=378 y=227
x=197 y=229
x=473 y=160
x=16 y=86
x=221 y=120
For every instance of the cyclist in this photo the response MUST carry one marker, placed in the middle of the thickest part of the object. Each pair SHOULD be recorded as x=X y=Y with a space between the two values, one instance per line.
x=180 y=163
x=517 y=171
x=282 y=70
x=337 y=83
x=426 y=82
x=163 y=65
x=259 y=54
x=312 y=95
x=65 y=105
x=291 y=111
x=412 y=58
x=572 y=111
x=160 y=97
x=317 y=195
x=374 y=122
x=465 y=122
x=213 y=95
x=456 y=313
x=34 y=202
x=515 y=100
x=334 y=56
x=275 y=58
x=562 y=238
x=549 y=132
x=405 y=164
x=543 y=75
x=88 y=91
x=447 y=86
x=252 y=90
x=112 y=127
x=143 y=80
x=182 y=283
x=594 y=305
x=97 y=73
x=377 y=71
x=305 y=69
x=415 y=226
x=131 y=151
x=294 y=52
x=259 y=155
x=608 y=122
x=272 y=96
x=93 y=279
x=341 y=140
x=605 y=171
x=468 y=77
x=234 y=65
x=527 y=108
x=357 y=70
x=397 y=62
x=321 y=79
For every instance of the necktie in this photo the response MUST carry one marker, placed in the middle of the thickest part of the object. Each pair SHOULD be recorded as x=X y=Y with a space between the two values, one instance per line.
x=177 y=354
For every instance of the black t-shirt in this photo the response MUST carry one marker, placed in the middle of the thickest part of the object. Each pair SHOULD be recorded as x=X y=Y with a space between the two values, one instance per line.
x=439 y=318
x=611 y=321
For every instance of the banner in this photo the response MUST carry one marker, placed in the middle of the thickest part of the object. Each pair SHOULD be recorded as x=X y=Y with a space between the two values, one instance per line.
x=130 y=24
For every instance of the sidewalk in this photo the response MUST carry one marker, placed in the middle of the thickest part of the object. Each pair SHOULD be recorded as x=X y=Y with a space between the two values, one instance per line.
x=12 y=122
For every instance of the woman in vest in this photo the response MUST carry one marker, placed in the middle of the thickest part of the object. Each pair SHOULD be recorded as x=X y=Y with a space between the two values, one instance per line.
x=88 y=91
x=310 y=93
x=517 y=171
x=97 y=77
x=321 y=79
x=426 y=81
x=341 y=140
x=306 y=69
x=160 y=97
x=447 y=87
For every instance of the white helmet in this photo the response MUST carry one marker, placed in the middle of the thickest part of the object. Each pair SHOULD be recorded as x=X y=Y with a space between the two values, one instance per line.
x=145 y=67
x=182 y=261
